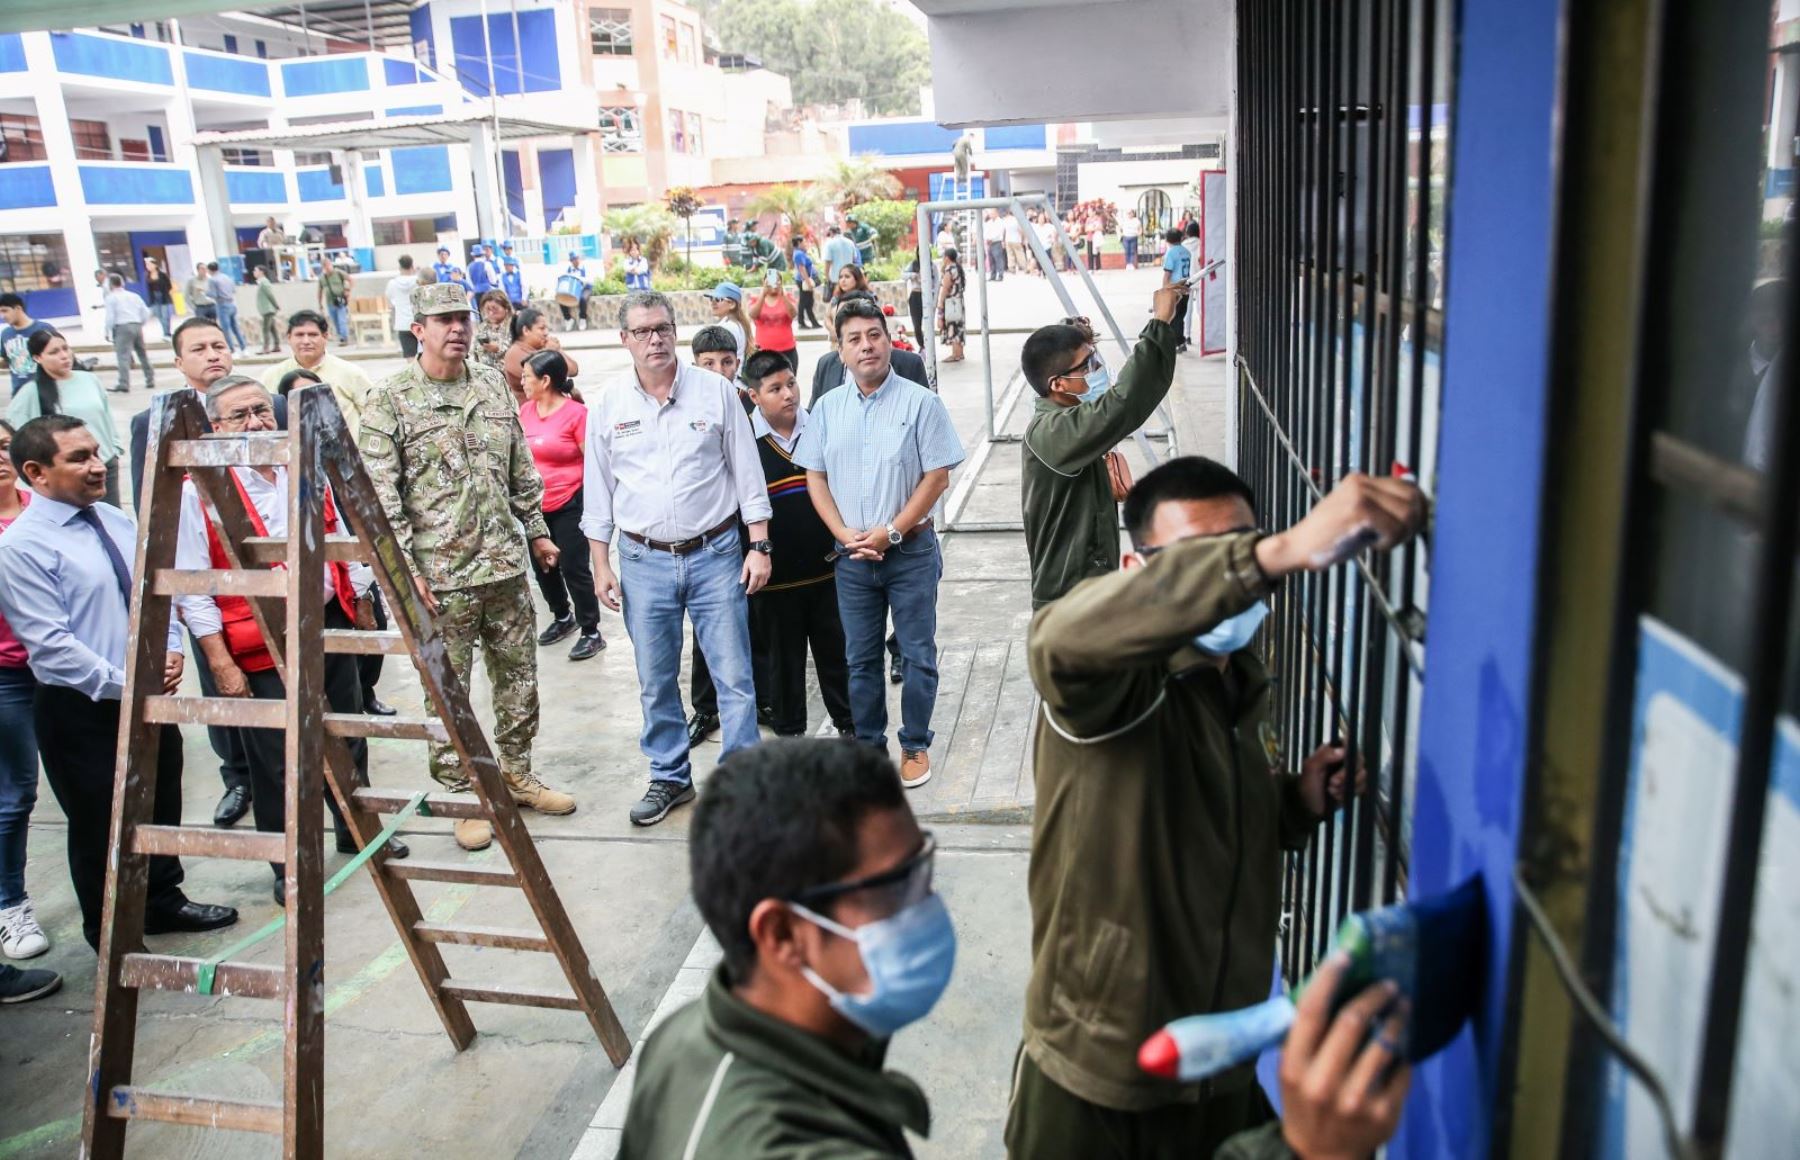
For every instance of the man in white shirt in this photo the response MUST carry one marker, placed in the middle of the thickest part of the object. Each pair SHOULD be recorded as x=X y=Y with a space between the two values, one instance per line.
x=1015 y=244
x=126 y=314
x=225 y=633
x=993 y=232
x=671 y=466
x=399 y=296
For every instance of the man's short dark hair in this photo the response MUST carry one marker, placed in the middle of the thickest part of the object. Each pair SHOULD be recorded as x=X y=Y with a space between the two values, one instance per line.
x=1172 y=236
x=1190 y=477
x=194 y=323
x=406 y=261
x=213 y=266
x=762 y=364
x=1192 y=231
x=714 y=340
x=11 y=301
x=775 y=819
x=35 y=442
x=857 y=307
x=1047 y=353
x=115 y=281
x=301 y=318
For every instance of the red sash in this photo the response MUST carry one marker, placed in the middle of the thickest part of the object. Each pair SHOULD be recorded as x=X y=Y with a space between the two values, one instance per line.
x=242 y=638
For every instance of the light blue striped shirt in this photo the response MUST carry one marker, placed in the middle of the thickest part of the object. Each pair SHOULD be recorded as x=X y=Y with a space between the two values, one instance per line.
x=875 y=448
x=59 y=594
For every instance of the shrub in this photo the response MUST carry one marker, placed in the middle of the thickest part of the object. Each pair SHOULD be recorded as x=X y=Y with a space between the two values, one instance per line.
x=609 y=285
x=892 y=222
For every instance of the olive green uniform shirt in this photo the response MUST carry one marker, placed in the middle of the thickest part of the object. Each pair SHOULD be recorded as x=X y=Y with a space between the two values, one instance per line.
x=1071 y=518
x=450 y=463
x=1163 y=807
x=720 y=1080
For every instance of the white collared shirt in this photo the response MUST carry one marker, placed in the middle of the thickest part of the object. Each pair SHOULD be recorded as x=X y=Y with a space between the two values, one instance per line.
x=670 y=471
x=193 y=549
x=759 y=427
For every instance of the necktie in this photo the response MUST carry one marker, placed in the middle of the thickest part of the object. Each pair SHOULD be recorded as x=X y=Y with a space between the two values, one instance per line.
x=92 y=518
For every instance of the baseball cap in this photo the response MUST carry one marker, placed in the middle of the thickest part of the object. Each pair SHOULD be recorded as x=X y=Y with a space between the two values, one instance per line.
x=440 y=298
x=443 y=249
x=728 y=291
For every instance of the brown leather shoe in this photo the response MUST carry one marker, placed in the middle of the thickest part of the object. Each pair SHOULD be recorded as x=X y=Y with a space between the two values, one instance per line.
x=474 y=833
x=915 y=768
x=528 y=791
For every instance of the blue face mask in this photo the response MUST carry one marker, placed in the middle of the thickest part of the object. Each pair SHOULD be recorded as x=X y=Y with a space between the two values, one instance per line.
x=1228 y=636
x=909 y=957
x=1098 y=383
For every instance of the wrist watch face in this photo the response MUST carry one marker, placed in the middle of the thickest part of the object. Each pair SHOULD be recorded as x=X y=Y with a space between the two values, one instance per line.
x=894 y=537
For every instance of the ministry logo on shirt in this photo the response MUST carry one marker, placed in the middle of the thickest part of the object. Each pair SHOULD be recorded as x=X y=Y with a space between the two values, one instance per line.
x=698 y=425
x=628 y=427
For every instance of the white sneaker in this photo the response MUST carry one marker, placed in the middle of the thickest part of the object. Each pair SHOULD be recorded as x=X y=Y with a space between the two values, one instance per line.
x=20 y=935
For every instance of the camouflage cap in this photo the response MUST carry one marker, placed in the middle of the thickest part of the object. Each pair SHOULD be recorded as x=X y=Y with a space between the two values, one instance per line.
x=439 y=298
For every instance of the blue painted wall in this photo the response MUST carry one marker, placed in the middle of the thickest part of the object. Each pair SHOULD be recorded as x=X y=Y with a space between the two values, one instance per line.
x=402 y=72
x=226 y=74
x=539 y=71
x=416 y=111
x=901 y=138
x=102 y=56
x=374 y=180
x=12 y=53
x=425 y=169
x=332 y=74
x=556 y=177
x=136 y=185
x=50 y=304
x=244 y=187
x=1015 y=137
x=420 y=23
x=1483 y=583
x=316 y=185
x=26 y=187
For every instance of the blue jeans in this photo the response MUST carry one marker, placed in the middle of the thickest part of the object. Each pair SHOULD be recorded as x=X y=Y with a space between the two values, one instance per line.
x=165 y=314
x=905 y=581
x=340 y=321
x=18 y=779
x=1131 y=245
x=657 y=587
x=228 y=324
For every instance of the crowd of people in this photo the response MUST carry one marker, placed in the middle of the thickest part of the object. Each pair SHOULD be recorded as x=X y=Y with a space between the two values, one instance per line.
x=700 y=490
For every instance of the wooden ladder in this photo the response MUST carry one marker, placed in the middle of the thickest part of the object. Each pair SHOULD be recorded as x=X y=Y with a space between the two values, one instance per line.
x=289 y=608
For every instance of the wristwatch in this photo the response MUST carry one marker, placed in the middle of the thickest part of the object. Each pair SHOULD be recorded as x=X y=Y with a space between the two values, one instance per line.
x=894 y=537
x=763 y=546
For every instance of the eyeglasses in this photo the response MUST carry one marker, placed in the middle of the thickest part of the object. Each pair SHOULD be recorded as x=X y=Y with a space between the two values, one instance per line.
x=890 y=891
x=1085 y=367
x=242 y=414
x=664 y=330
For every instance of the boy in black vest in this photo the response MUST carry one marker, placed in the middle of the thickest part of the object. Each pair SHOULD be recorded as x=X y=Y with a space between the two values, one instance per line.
x=798 y=606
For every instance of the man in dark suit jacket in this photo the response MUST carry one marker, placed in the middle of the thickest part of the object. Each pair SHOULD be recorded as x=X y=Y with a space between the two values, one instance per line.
x=828 y=373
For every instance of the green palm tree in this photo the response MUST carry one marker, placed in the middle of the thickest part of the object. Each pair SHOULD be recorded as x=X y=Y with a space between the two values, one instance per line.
x=854 y=180
x=650 y=224
x=801 y=204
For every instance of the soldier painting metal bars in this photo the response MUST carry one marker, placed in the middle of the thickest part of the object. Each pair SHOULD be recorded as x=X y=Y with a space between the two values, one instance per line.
x=1345 y=139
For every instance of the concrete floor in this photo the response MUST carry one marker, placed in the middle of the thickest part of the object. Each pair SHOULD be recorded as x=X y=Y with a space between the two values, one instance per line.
x=534 y=1083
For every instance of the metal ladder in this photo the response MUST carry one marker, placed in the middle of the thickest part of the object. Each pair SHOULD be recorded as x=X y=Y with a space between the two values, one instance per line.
x=289 y=608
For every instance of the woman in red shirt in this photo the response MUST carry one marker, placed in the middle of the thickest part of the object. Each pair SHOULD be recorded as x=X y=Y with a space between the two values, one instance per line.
x=20 y=935
x=555 y=422
x=774 y=312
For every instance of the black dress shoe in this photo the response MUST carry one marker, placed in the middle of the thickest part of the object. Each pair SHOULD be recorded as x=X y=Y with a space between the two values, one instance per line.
x=701 y=726
x=396 y=848
x=232 y=807
x=590 y=645
x=189 y=916
x=375 y=705
x=558 y=629
x=280 y=892
x=766 y=716
x=896 y=671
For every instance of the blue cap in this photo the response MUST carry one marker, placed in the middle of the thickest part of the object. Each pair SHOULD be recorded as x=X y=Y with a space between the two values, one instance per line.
x=728 y=290
x=506 y=245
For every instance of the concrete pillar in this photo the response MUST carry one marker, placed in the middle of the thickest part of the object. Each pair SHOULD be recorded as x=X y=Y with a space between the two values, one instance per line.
x=357 y=231
x=209 y=227
x=490 y=218
x=587 y=181
x=65 y=177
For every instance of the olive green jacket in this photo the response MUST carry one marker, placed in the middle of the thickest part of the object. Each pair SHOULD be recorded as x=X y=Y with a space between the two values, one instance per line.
x=1163 y=806
x=720 y=1080
x=1071 y=518
x=452 y=469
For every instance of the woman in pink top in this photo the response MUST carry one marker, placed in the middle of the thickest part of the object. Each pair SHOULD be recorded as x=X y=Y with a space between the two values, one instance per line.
x=20 y=935
x=774 y=312
x=555 y=423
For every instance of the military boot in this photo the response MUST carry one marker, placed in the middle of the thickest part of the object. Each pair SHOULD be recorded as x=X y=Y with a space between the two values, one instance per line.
x=474 y=833
x=527 y=790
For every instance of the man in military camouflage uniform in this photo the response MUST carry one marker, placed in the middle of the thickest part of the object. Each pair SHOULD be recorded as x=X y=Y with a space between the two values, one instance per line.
x=442 y=441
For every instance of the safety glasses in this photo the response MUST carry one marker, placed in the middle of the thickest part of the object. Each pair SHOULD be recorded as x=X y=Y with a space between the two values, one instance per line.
x=888 y=892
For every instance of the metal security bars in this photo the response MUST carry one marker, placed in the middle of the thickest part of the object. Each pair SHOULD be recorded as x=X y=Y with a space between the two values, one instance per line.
x=1341 y=156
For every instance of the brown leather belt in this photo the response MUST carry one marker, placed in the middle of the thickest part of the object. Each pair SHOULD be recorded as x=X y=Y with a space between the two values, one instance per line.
x=921 y=526
x=681 y=547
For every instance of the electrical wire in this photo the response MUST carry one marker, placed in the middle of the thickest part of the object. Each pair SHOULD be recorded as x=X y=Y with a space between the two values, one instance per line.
x=1680 y=1147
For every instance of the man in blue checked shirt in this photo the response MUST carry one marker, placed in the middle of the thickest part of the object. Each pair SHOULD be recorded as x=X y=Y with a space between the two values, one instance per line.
x=65 y=589
x=877 y=458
